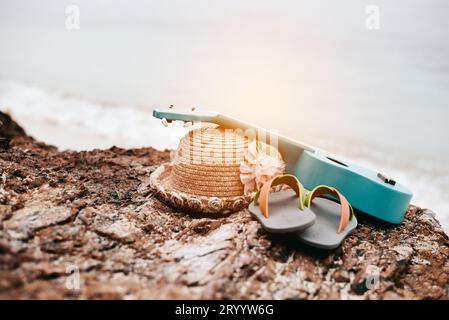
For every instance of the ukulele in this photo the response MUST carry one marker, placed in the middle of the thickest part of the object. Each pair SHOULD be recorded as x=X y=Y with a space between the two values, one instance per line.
x=368 y=191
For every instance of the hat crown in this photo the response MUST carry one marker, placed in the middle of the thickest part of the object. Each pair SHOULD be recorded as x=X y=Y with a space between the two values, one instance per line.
x=207 y=162
x=211 y=146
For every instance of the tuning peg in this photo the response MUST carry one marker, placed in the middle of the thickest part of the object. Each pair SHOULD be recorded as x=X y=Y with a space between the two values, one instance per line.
x=164 y=122
x=171 y=106
x=193 y=109
x=386 y=178
x=187 y=124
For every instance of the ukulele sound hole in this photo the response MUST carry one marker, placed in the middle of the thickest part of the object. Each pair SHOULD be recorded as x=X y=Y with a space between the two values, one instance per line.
x=339 y=162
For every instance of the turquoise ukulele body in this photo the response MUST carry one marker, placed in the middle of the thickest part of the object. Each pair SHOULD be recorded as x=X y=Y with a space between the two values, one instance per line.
x=368 y=191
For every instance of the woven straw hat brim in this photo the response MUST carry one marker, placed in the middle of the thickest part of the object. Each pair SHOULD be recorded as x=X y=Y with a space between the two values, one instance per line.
x=208 y=183
x=211 y=185
x=206 y=176
x=208 y=192
x=162 y=183
x=213 y=179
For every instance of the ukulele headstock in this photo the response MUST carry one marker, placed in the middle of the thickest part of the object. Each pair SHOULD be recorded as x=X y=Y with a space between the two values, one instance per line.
x=187 y=116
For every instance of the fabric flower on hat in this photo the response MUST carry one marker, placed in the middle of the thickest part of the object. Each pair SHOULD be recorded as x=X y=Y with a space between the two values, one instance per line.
x=262 y=162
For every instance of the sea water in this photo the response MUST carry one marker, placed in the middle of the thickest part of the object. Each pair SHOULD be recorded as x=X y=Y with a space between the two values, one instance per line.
x=320 y=72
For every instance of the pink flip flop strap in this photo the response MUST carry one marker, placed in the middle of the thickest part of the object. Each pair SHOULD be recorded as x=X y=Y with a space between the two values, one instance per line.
x=346 y=210
x=289 y=180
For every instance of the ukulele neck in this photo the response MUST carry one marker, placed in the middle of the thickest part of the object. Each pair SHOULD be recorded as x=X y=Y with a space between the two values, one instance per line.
x=290 y=149
x=231 y=123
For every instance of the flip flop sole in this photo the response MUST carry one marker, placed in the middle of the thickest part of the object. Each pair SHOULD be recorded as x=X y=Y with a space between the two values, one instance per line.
x=285 y=216
x=323 y=233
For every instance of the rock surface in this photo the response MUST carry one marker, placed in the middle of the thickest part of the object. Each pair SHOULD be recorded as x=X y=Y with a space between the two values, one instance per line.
x=83 y=225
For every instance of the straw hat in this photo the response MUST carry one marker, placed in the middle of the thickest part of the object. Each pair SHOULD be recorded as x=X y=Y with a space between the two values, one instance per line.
x=215 y=171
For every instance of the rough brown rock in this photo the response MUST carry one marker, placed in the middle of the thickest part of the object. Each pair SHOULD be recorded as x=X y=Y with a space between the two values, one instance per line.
x=85 y=225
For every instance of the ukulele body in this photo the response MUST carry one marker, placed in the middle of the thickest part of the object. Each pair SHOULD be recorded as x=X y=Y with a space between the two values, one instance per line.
x=363 y=188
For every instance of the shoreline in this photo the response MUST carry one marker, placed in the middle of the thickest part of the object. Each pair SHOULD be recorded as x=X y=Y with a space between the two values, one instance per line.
x=65 y=138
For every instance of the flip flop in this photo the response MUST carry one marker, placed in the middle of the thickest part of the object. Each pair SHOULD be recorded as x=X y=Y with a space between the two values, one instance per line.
x=332 y=223
x=287 y=213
